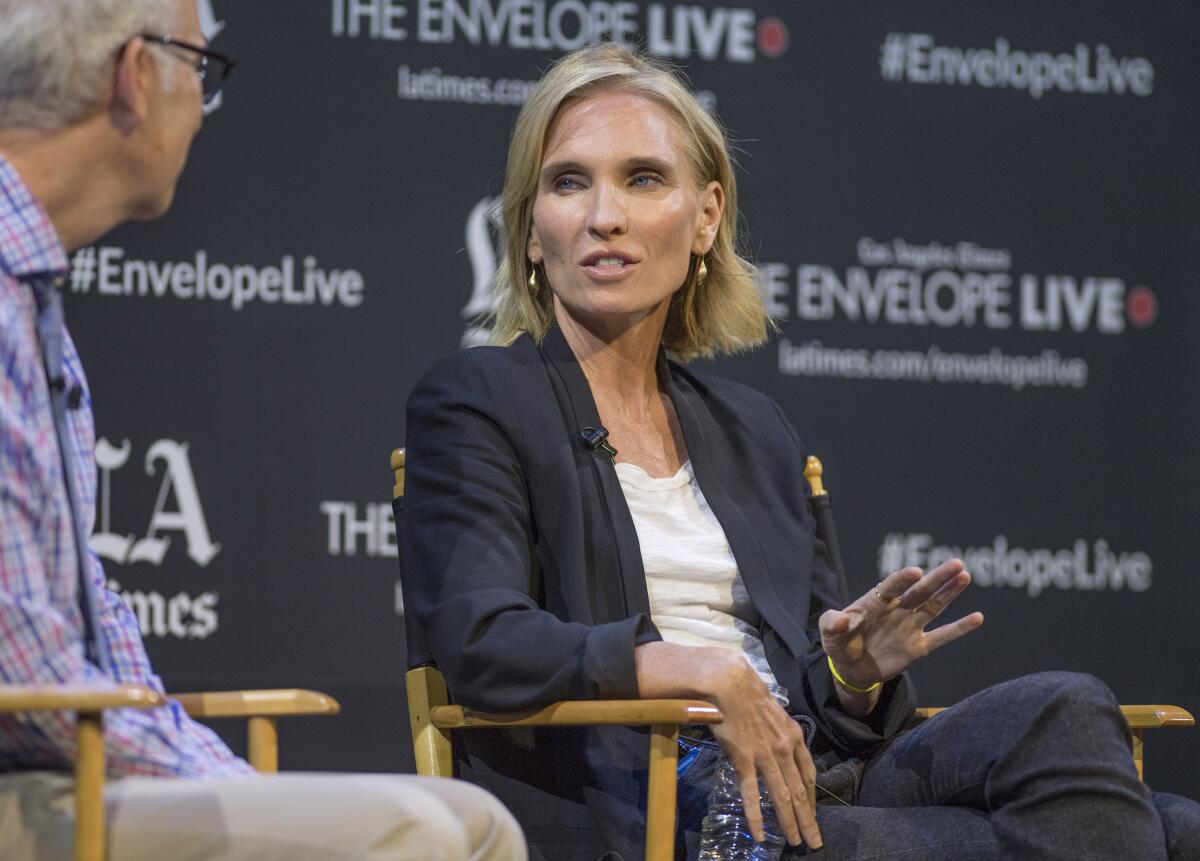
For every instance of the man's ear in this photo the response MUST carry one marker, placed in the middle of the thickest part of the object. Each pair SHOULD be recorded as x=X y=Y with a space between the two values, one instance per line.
x=135 y=74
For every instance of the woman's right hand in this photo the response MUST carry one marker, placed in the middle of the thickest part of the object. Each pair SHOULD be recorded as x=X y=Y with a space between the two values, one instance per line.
x=757 y=735
x=761 y=740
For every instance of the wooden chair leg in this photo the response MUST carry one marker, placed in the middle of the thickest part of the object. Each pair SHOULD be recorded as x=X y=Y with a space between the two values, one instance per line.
x=660 y=794
x=432 y=752
x=1138 y=753
x=89 y=788
x=262 y=743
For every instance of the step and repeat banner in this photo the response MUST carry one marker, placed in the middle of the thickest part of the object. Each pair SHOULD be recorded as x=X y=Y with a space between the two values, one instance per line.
x=978 y=232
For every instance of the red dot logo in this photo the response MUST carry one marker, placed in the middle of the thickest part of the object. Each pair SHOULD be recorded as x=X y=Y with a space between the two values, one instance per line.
x=772 y=37
x=1141 y=306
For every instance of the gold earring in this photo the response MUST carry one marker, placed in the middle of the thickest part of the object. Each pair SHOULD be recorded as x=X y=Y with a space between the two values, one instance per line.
x=701 y=272
x=533 y=285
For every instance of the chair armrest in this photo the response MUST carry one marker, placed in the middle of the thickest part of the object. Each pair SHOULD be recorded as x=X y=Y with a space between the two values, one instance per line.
x=1153 y=717
x=1139 y=717
x=263 y=709
x=583 y=713
x=274 y=703
x=77 y=698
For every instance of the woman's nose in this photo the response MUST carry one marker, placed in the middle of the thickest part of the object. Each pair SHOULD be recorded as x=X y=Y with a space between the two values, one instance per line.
x=607 y=216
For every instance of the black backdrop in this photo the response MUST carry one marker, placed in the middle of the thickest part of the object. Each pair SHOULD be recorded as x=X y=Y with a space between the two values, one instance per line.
x=978 y=230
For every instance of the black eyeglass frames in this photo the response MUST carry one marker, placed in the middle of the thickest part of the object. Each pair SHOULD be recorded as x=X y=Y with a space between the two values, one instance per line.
x=212 y=67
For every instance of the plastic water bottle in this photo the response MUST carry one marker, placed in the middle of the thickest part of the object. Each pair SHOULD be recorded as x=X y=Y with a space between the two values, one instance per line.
x=725 y=833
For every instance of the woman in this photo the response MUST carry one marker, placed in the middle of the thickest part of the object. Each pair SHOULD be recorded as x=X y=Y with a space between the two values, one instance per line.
x=586 y=518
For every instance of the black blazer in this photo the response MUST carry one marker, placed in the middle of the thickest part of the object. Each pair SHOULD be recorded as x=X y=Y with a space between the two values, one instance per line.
x=524 y=573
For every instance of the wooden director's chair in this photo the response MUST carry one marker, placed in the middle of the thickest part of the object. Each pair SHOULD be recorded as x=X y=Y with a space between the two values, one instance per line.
x=432 y=718
x=261 y=709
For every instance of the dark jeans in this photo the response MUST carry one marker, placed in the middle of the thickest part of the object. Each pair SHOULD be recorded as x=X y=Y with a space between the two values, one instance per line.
x=1032 y=769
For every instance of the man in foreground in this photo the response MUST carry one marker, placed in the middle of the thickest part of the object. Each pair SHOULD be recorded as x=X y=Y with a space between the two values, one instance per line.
x=99 y=103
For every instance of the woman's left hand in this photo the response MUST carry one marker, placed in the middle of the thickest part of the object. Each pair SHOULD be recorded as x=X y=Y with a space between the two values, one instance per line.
x=882 y=633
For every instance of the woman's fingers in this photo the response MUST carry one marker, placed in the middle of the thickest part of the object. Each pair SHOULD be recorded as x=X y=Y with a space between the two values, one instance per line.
x=926 y=587
x=793 y=801
x=896 y=584
x=910 y=587
x=833 y=623
x=748 y=781
x=948 y=633
x=808 y=773
x=763 y=742
x=786 y=793
x=943 y=597
x=789 y=778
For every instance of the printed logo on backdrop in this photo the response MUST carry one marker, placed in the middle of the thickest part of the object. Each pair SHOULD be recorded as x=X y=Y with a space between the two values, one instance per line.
x=210 y=27
x=177 y=514
x=1085 y=566
x=107 y=271
x=676 y=31
x=916 y=58
x=934 y=286
x=485 y=247
x=368 y=529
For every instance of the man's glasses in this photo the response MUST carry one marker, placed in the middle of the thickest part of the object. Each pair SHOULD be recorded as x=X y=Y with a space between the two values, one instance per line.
x=212 y=67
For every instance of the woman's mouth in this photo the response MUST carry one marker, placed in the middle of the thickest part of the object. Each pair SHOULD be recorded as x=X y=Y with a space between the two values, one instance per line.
x=608 y=267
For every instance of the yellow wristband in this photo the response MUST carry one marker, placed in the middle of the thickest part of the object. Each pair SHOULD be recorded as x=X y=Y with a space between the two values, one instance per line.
x=845 y=684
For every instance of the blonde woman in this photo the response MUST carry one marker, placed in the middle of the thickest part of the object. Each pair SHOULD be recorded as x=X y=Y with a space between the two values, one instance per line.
x=588 y=518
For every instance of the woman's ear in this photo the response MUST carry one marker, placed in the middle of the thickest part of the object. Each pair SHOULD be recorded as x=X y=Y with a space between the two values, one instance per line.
x=709 y=221
x=533 y=248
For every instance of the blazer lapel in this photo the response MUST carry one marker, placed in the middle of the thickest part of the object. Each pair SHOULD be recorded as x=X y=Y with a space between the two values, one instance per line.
x=713 y=464
x=579 y=411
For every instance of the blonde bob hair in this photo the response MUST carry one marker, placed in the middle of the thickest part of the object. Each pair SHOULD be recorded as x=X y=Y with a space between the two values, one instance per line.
x=724 y=313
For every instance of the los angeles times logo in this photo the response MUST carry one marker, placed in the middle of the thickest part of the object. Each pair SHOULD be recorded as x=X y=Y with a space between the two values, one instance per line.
x=485 y=245
x=182 y=616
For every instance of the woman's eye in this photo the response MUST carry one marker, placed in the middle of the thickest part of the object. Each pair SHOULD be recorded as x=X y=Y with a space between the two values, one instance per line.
x=566 y=183
x=645 y=180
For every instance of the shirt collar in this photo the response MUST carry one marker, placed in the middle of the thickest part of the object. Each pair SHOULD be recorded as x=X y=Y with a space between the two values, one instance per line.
x=29 y=244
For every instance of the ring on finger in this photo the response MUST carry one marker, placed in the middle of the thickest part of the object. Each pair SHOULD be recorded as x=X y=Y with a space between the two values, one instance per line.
x=879 y=595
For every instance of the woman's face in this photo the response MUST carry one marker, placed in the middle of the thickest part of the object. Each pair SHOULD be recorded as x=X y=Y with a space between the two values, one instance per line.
x=618 y=212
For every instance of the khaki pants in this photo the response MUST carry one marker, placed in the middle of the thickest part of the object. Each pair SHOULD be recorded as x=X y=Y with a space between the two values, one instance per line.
x=284 y=816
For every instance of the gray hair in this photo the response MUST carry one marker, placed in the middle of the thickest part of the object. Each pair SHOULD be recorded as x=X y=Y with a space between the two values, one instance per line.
x=57 y=56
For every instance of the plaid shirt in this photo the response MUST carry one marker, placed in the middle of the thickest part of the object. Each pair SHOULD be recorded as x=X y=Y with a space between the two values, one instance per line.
x=41 y=626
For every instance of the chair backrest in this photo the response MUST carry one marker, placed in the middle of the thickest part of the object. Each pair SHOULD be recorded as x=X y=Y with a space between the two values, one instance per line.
x=424 y=686
x=419 y=653
x=822 y=510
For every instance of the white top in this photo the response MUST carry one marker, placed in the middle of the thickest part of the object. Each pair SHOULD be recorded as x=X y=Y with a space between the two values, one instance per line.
x=697 y=597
